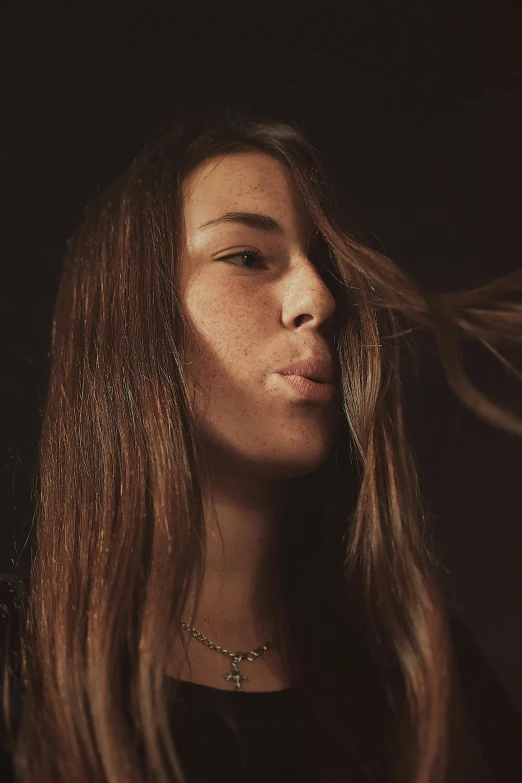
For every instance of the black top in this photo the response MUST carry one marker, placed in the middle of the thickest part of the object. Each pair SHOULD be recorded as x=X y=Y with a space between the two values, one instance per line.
x=261 y=744
x=263 y=748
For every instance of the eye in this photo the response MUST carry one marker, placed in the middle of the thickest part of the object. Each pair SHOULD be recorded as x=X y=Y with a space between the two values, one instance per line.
x=255 y=254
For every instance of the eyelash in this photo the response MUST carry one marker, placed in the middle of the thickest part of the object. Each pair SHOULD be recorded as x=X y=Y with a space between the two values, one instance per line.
x=255 y=253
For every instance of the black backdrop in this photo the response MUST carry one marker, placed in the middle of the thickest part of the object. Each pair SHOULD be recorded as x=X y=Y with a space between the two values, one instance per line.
x=419 y=112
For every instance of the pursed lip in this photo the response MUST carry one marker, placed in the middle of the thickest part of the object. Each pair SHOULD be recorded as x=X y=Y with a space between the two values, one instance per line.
x=320 y=370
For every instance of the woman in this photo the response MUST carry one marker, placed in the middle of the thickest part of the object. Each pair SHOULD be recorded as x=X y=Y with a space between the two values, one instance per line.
x=232 y=567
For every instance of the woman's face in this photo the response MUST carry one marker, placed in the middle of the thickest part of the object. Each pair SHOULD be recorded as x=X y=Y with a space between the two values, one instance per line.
x=253 y=316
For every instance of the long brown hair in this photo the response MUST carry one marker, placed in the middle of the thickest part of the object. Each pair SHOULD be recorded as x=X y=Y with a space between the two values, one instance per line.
x=119 y=522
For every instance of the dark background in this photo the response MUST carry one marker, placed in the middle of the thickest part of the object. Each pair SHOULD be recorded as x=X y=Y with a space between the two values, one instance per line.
x=418 y=110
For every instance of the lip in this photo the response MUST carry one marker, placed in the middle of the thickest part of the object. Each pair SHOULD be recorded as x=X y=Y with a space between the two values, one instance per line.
x=310 y=390
x=317 y=369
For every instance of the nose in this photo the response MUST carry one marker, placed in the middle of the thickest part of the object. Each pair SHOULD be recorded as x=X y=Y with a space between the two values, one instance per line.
x=308 y=300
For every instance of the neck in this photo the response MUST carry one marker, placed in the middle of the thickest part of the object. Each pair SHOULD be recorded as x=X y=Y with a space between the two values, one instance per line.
x=241 y=590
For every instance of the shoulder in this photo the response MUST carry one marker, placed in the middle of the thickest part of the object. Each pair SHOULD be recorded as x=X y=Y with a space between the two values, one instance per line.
x=490 y=711
x=13 y=602
x=13 y=596
x=13 y=607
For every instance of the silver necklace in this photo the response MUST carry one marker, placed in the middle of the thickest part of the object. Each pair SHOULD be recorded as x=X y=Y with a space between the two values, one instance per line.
x=234 y=675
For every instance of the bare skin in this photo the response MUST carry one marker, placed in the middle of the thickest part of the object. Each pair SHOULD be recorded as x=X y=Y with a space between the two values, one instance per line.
x=252 y=317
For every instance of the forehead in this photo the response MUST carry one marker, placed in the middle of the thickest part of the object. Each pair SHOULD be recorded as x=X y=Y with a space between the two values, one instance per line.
x=250 y=181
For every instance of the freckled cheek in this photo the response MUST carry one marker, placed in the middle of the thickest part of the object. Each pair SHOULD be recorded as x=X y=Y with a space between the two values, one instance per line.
x=228 y=331
x=215 y=318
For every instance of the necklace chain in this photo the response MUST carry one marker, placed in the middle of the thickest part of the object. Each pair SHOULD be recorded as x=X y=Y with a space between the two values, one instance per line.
x=251 y=656
x=234 y=676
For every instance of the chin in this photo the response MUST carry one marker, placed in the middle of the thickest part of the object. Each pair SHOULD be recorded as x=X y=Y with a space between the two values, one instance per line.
x=301 y=464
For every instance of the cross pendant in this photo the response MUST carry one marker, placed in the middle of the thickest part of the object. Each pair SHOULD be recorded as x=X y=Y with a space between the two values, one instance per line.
x=234 y=675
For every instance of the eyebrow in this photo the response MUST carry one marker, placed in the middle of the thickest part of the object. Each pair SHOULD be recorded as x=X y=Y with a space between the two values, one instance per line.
x=251 y=219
